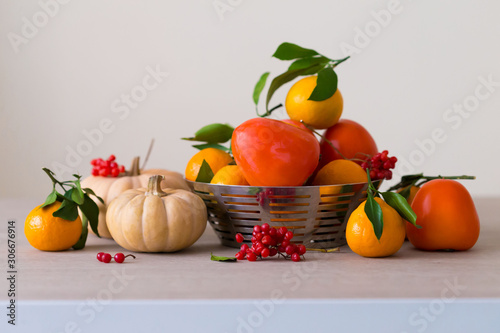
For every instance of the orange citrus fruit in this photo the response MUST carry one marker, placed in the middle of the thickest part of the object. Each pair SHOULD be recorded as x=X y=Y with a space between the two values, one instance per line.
x=48 y=233
x=216 y=158
x=229 y=175
x=318 y=114
x=361 y=236
x=340 y=172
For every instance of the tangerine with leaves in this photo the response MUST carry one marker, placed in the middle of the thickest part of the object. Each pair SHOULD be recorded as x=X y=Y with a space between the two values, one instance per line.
x=46 y=232
x=216 y=159
x=318 y=114
x=361 y=237
x=448 y=217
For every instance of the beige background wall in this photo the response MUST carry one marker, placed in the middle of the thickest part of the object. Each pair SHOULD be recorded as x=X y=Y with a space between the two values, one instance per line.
x=418 y=79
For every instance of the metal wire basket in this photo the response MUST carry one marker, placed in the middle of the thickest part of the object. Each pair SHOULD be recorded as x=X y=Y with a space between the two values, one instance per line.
x=316 y=214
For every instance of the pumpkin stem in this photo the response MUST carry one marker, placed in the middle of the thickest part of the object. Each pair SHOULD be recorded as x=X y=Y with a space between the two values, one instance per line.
x=134 y=168
x=154 y=186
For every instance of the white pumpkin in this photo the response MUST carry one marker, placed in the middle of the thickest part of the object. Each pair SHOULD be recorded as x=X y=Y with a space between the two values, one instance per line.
x=109 y=188
x=156 y=220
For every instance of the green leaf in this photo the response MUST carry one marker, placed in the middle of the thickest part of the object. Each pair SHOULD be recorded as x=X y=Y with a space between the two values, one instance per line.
x=213 y=133
x=90 y=191
x=223 y=259
x=374 y=213
x=259 y=87
x=286 y=77
x=326 y=85
x=83 y=238
x=289 y=51
x=205 y=174
x=308 y=62
x=91 y=211
x=51 y=198
x=211 y=145
x=77 y=193
x=406 y=192
x=399 y=203
x=410 y=178
x=68 y=210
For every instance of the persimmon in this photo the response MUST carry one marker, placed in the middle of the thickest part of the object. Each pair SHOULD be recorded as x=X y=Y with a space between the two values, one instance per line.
x=350 y=138
x=448 y=217
x=273 y=153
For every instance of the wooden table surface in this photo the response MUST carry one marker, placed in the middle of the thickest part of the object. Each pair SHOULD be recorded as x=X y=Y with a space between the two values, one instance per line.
x=190 y=276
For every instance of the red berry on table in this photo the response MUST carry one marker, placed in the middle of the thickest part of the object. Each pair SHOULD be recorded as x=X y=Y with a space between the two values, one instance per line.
x=240 y=255
x=111 y=158
x=301 y=249
x=265 y=252
x=244 y=247
x=251 y=256
x=121 y=168
x=99 y=256
x=282 y=231
x=296 y=257
x=265 y=228
x=258 y=236
x=273 y=232
x=239 y=238
x=290 y=249
x=273 y=251
x=119 y=257
x=289 y=235
x=95 y=172
x=257 y=229
x=285 y=243
x=106 y=257
x=113 y=165
x=267 y=239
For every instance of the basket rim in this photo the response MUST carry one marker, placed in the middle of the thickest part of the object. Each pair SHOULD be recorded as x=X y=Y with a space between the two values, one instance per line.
x=374 y=182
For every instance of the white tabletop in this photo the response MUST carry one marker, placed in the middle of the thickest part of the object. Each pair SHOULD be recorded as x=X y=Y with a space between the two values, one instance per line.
x=411 y=291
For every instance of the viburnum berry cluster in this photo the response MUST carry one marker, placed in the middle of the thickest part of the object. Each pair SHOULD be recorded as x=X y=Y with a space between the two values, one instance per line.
x=119 y=257
x=380 y=165
x=107 y=167
x=269 y=242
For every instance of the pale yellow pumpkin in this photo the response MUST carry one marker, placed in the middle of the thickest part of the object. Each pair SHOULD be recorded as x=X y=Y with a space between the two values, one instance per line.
x=109 y=188
x=156 y=220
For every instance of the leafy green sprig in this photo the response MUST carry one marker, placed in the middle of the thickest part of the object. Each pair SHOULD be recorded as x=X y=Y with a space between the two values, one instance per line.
x=211 y=136
x=395 y=200
x=306 y=62
x=74 y=198
x=418 y=180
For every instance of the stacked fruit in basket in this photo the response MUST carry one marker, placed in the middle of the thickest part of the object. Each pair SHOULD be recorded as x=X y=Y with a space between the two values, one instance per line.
x=315 y=146
x=292 y=152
